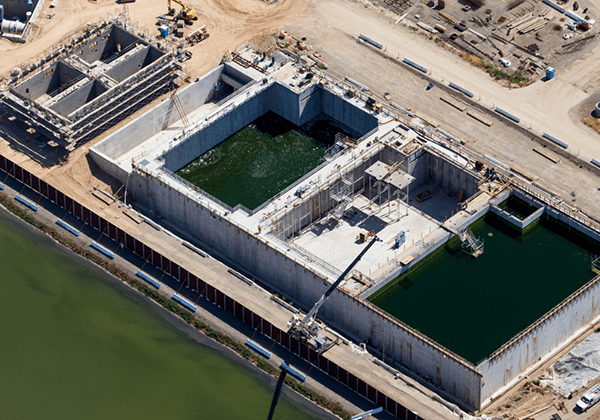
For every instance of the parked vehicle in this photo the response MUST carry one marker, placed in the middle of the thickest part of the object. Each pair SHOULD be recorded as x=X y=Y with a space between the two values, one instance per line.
x=590 y=398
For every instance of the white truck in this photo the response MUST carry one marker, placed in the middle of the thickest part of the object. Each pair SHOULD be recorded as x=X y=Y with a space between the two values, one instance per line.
x=591 y=397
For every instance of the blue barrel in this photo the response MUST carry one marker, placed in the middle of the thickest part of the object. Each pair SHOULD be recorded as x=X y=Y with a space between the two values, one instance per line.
x=550 y=73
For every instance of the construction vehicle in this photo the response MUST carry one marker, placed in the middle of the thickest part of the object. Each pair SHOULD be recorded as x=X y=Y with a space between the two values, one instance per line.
x=197 y=36
x=374 y=105
x=307 y=330
x=186 y=13
x=591 y=397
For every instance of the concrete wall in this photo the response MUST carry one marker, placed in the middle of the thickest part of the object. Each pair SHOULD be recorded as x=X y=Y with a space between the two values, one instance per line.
x=357 y=318
x=79 y=97
x=153 y=121
x=542 y=337
x=131 y=65
x=41 y=83
x=449 y=176
x=106 y=44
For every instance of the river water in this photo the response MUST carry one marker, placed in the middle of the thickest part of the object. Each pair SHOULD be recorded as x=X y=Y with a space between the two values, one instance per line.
x=77 y=344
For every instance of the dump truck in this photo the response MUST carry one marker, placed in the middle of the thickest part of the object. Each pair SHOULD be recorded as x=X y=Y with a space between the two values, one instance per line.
x=590 y=398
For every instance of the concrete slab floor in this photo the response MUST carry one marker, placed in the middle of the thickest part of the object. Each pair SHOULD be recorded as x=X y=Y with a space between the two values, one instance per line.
x=335 y=241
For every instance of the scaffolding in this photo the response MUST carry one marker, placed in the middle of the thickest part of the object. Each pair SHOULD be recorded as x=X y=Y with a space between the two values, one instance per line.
x=343 y=194
x=470 y=243
x=596 y=265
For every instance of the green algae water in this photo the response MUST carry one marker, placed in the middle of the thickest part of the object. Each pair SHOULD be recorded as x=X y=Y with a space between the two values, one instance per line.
x=77 y=344
x=473 y=306
x=260 y=160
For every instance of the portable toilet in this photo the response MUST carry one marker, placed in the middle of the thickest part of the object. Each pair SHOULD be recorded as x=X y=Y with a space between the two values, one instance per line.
x=550 y=73
x=164 y=31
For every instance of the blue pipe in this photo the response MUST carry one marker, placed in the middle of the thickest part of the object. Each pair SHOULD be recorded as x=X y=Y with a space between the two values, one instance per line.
x=187 y=305
x=1 y=186
x=67 y=227
x=30 y=3
x=461 y=89
x=415 y=65
x=148 y=279
x=1 y=13
x=555 y=140
x=508 y=115
x=293 y=372
x=27 y=203
x=258 y=349
x=103 y=250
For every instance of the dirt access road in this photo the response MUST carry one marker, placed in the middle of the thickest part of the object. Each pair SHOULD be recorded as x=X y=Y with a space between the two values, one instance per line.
x=229 y=22
x=544 y=105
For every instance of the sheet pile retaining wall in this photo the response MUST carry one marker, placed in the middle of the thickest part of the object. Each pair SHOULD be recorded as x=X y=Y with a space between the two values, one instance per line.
x=195 y=282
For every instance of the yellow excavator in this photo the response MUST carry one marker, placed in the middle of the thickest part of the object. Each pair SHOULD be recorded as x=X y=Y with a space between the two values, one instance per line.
x=186 y=13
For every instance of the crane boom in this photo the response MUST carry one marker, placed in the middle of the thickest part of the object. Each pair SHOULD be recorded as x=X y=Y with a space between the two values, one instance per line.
x=313 y=312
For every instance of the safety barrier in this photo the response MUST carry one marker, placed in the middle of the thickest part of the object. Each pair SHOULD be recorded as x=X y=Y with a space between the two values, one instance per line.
x=555 y=140
x=67 y=227
x=461 y=89
x=448 y=136
x=214 y=295
x=402 y=109
x=258 y=349
x=371 y=41
x=508 y=115
x=415 y=65
x=184 y=303
x=497 y=162
x=103 y=250
x=294 y=373
x=357 y=84
x=596 y=162
x=150 y=280
x=27 y=203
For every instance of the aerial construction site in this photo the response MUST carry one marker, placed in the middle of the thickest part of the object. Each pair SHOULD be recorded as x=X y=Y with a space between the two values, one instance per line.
x=402 y=194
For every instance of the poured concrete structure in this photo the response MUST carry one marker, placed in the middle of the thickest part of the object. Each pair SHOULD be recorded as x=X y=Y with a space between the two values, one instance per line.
x=299 y=243
x=109 y=74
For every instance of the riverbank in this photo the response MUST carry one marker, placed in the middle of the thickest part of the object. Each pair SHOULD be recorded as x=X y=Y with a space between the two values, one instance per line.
x=79 y=246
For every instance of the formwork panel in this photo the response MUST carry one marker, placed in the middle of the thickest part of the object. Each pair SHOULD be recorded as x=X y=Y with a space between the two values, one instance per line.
x=323 y=363
x=10 y=168
x=26 y=177
x=362 y=388
x=112 y=232
x=275 y=334
x=69 y=204
x=285 y=340
x=313 y=357
x=352 y=382
x=381 y=399
x=294 y=345
x=229 y=304
x=411 y=415
x=60 y=199
x=157 y=260
x=304 y=351
x=139 y=248
x=210 y=293
x=52 y=194
x=148 y=254
x=333 y=370
x=183 y=277
x=238 y=310
x=248 y=316
x=3 y=163
x=43 y=187
x=220 y=298
x=35 y=183
x=103 y=226
x=121 y=237
x=174 y=272
x=401 y=411
x=201 y=286
x=343 y=376
x=77 y=209
x=18 y=172
x=372 y=394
